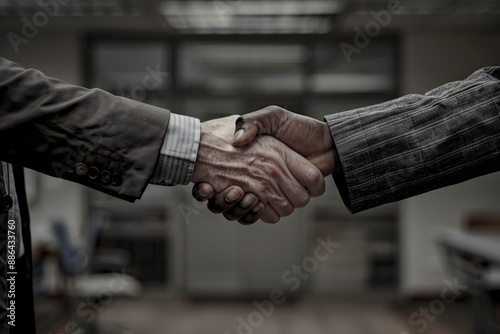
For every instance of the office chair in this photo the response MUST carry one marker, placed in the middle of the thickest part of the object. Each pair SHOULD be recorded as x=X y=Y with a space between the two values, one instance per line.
x=94 y=276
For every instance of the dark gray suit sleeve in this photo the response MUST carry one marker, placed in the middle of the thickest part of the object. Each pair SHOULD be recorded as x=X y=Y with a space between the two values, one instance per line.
x=418 y=143
x=88 y=136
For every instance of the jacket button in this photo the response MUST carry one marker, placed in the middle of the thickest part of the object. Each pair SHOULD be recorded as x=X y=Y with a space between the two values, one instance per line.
x=81 y=168
x=105 y=176
x=7 y=202
x=93 y=173
x=116 y=179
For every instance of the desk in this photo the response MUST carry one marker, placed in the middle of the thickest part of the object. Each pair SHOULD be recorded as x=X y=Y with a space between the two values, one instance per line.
x=474 y=257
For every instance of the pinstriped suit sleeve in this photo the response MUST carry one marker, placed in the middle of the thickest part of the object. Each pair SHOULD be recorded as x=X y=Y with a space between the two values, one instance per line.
x=418 y=143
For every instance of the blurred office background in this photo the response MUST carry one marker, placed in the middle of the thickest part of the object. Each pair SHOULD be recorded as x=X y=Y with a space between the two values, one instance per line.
x=189 y=271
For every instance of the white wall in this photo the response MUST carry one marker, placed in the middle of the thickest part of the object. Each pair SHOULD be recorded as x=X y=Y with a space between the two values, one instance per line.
x=429 y=60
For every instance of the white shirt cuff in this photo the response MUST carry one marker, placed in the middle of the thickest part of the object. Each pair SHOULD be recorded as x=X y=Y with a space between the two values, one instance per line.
x=179 y=151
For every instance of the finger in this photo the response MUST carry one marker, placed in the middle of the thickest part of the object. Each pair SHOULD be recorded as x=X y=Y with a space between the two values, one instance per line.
x=296 y=194
x=242 y=208
x=269 y=215
x=226 y=199
x=285 y=203
x=203 y=191
x=308 y=175
x=252 y=216
x=275 y=193
x=276 y=186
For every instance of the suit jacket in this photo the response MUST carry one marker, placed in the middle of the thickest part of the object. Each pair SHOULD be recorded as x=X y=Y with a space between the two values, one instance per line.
x=22 y=290
x=418 y=143
x=82 y=135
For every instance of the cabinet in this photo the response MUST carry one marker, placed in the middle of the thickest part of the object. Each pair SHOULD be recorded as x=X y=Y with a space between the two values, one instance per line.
x=226 y=258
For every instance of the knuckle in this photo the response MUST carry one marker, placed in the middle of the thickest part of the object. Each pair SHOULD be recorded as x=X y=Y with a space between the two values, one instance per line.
x=273 y=172
x=247 y=219
x=270 y=171
x=314 y=176
x=229 y=216
x=196 y=194
x=274 y=108
x=303 y=200
x=315 y=181
x=240 y=120
x=248 y=201
x=235 y=213
x=216 y=207
x=284 y=208
x=214 y=210
x=199 y=199
x=273 y=220
x=264 y=188
x=288 y=210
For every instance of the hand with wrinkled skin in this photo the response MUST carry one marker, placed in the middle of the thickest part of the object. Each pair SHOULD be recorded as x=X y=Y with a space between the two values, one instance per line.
x=305 y=135
x=232 y=202
x=281 y=179
x=309 y=137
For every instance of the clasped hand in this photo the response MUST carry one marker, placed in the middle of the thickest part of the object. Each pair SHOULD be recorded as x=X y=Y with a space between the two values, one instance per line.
x=263 y=164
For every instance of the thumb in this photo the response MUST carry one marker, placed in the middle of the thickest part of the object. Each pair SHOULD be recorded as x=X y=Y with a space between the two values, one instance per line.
x=261 y=122
x=326 y=162
x=244 y=132
x=307 y=174
x=203 y=191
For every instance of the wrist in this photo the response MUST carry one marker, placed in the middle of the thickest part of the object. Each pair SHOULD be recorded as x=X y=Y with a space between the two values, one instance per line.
x=326 y=161
x=333 y=154
x=337 y=167
x=199 y=170
x=327 y=138
x=215 y=153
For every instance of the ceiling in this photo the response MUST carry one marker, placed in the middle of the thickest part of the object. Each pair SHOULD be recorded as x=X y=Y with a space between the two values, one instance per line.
x=256 y=16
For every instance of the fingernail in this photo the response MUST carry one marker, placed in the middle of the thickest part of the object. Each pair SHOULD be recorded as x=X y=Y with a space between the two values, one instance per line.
x=245 y=203
x=203 y=192
x=257 y=208
x=232 y=196
x=238 y=134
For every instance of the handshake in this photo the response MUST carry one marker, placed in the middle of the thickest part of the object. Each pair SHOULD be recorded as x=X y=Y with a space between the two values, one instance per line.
x=263 y=164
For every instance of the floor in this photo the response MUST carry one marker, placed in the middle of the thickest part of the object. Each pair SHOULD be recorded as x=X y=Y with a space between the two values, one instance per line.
x=155 y=315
